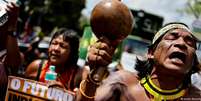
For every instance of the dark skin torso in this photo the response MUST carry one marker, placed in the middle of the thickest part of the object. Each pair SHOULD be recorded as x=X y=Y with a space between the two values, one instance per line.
x=138 y=93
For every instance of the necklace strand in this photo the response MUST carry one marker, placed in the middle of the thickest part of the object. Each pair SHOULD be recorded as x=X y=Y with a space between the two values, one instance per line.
x=160 y=94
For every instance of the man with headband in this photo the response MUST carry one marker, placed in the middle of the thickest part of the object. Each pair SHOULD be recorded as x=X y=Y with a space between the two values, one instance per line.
x=164 y=75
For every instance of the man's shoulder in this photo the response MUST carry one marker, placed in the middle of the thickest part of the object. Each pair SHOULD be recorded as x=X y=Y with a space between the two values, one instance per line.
x=123 y=76
x=119 y=81
x=127 y=74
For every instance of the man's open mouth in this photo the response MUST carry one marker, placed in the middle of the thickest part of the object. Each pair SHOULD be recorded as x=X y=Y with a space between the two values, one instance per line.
x=178 y=55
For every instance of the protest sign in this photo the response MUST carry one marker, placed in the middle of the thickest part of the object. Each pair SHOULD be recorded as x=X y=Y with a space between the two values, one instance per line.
x=21 y=89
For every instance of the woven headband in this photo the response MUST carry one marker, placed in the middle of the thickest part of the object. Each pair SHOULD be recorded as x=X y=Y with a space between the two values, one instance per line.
x=164 y=30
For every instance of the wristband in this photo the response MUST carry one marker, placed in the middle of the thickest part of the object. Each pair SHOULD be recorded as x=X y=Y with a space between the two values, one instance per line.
x=82 y=92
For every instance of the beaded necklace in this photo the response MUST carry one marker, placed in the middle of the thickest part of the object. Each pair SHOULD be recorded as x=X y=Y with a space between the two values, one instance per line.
x=160 y=94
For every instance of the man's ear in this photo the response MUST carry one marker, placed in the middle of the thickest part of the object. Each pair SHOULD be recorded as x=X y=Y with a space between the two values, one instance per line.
x=150 y=54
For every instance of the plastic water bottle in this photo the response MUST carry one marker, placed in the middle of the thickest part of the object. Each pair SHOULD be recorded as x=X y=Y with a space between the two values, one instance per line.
x=51 y=75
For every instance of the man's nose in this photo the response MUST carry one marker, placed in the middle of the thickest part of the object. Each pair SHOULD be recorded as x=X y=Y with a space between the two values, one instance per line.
x=180 y=43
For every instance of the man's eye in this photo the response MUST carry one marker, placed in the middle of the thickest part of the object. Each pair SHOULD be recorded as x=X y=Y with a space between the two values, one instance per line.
x=190 y=41
x=171 y=36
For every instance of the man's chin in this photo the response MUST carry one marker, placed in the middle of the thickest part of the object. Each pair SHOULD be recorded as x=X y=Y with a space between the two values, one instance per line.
x=175 y=68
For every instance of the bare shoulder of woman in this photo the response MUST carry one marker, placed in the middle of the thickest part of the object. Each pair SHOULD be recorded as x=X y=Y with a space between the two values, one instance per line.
x=32 y=69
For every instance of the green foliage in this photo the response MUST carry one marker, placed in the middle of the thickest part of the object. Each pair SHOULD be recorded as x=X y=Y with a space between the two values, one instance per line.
x=61 y=13
x=194 y=7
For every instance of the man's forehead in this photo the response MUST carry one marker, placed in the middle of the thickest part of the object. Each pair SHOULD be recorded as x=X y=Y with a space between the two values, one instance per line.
x=167 y=28
x=180 y=31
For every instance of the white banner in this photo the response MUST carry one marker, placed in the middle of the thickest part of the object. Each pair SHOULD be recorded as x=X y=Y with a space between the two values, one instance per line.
x=21 y=89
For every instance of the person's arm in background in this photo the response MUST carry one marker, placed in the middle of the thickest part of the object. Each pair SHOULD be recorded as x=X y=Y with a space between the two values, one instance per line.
x=13 y=58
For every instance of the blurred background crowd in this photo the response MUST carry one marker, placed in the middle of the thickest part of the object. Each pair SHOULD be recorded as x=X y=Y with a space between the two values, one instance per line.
x=39 y=19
